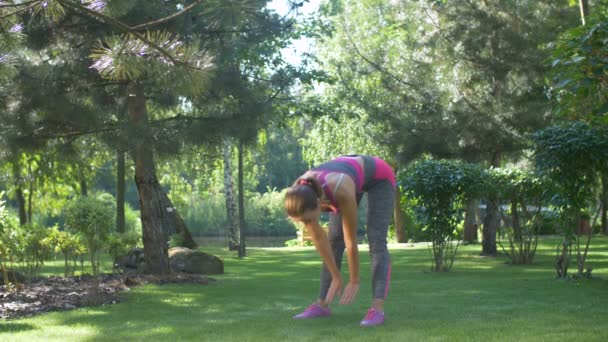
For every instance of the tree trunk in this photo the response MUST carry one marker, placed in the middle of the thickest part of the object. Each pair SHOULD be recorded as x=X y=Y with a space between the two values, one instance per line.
x=470 y=222
x=490 y=227
x=120 y=191
x=173 y=223
x=232 y=215
x=29 y=200
x=398 y=218
x=584 y=7
x=242 y=252
x=515 y=221
x=492 y=220
x=148 y=188
x=604 y=205
x=84 y=190
x=20 y=197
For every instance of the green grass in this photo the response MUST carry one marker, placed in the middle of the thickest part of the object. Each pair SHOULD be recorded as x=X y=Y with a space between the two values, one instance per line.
x=481 y=299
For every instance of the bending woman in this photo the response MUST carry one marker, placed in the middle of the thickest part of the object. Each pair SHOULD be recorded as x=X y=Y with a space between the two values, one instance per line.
x=337 y=186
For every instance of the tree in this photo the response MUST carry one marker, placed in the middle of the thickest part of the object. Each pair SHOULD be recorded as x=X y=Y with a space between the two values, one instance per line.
x=579 y=82
x=232 y=215
x=455 y=79
x=573 y=156
x=137 y=56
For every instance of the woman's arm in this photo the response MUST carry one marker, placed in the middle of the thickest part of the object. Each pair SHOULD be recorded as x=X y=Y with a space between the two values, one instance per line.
x=347 y=202
x=321 y=242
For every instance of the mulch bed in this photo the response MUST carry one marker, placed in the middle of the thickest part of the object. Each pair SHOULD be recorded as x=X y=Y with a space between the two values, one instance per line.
x=57 y=293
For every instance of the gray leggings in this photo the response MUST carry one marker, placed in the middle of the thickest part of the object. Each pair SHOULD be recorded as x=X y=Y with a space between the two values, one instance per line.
x=380 y=201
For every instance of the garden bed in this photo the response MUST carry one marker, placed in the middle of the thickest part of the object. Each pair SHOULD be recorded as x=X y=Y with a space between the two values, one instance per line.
x=57 y=293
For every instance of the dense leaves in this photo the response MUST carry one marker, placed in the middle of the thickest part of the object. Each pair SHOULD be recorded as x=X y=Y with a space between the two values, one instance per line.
x=439 y=189
x=580 y=73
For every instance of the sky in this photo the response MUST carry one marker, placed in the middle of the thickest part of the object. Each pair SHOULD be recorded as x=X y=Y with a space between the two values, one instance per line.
x=299 y=46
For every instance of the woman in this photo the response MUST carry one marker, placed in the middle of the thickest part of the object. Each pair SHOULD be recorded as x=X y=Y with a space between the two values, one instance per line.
x=337 y=186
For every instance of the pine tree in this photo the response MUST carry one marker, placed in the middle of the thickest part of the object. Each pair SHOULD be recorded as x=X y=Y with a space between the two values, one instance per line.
x=202 y=67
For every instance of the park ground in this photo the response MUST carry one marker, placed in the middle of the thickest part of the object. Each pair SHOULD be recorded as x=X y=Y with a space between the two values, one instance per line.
x=480 y=299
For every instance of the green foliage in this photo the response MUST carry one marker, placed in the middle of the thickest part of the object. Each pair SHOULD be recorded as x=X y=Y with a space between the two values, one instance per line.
x=176 y=240
x=129 y=57
x=524 y=196
x=69 y=245
x=456 y=79
x=329 y=138
x=5 y=240
x=29 y=245
x=119 y=244
x=440 y=188
x=94 y=220
x=580 y=73
x=573 y=156
x=279 y=156
x=264 y=215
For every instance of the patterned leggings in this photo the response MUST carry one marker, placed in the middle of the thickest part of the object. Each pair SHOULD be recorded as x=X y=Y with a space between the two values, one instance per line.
x=380 y=202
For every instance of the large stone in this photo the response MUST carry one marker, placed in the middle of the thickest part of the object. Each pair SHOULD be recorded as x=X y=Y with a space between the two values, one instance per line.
x=134 y=259
x=182 y=259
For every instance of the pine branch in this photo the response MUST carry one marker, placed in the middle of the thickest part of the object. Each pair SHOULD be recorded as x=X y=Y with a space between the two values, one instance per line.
x=32 y=4
x=19 y=4
x=165 y=19
x=119 y=24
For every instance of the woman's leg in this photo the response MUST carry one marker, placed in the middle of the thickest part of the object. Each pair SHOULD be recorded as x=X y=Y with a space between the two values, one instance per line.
x=336 y=241
x=380 y=202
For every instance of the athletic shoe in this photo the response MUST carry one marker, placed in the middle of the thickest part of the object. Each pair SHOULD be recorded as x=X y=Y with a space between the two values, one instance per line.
x=373 y=318
x=313 y=311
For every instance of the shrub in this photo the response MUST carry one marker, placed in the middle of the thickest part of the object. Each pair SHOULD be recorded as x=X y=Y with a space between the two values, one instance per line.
x=69 y=245
x=440 y=188
x=6 y=245
x=572 y=156
x=92 y=218
x=524 y=195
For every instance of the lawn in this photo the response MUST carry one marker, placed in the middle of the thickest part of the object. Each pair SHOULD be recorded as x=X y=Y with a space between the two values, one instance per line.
x=481 y=299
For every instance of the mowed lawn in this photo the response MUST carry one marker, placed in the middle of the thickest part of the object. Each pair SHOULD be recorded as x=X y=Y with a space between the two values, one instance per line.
x=481 y=299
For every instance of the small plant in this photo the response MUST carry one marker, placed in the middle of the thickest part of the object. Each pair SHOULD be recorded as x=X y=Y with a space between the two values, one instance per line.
x=93 y=219
x=119 y=245
x=36 y=248
x=69 y=245
x=5 y=241
x=176 y=240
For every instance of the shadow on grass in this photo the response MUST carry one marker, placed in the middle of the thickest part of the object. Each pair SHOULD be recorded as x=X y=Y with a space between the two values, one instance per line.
x=13 y=327
x=257 y=296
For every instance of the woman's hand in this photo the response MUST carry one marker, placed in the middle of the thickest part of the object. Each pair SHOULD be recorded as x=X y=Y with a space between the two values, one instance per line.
x=335 y=288
x=350 y=292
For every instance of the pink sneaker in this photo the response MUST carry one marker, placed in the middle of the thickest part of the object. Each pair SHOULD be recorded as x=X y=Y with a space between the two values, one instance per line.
x=313 y=311
x=373 y=318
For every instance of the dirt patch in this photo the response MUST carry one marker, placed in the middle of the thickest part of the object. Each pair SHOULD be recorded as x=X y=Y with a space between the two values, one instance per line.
x=57 y=294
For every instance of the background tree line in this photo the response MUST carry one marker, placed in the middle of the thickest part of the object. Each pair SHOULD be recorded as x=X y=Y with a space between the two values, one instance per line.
x=154 y=102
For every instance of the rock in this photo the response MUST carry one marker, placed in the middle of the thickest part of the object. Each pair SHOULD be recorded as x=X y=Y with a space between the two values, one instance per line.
x=134 y=259
x=182 y=259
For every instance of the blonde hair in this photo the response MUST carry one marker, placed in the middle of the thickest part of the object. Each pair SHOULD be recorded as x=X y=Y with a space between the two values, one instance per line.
x=302 y=196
